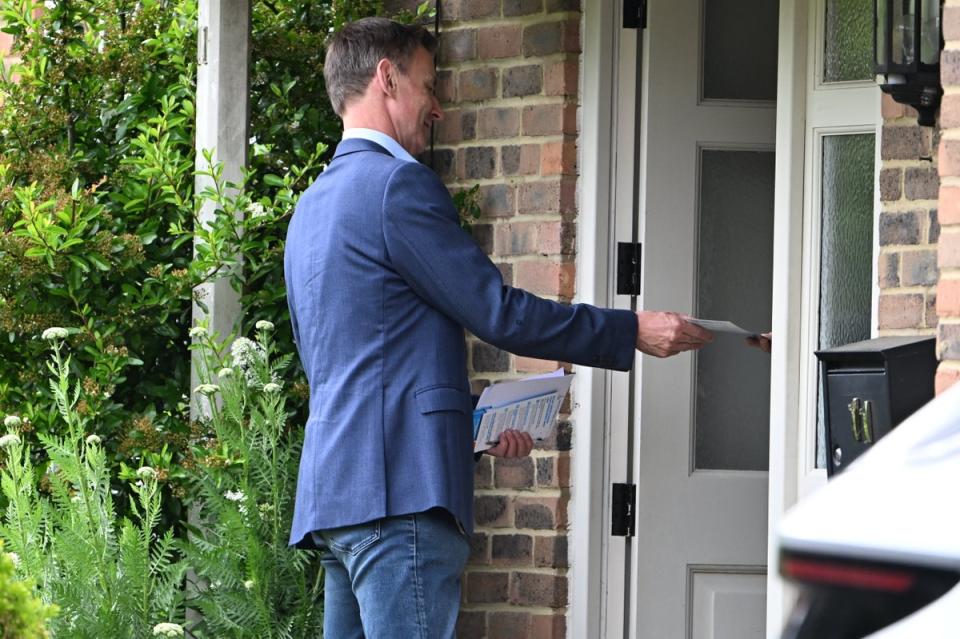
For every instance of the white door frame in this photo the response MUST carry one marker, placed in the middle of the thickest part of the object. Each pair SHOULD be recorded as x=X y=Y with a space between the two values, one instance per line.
x=606 y=148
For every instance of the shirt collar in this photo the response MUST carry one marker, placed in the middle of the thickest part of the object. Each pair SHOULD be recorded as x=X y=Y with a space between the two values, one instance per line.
x=382 y=139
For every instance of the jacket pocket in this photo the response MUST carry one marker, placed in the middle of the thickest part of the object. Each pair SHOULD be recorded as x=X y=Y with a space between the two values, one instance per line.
x=442 y=398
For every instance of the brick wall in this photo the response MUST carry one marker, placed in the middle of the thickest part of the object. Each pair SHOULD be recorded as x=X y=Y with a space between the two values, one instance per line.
x=908 y=225
x=948 y=250
x=508 y=74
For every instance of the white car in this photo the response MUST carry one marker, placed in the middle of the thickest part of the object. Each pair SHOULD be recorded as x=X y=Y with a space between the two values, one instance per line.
x=876 y=552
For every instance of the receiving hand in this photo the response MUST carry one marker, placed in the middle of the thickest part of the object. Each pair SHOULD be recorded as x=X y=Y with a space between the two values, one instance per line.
x=764 y=342
x=664 y=334
x=513 y=443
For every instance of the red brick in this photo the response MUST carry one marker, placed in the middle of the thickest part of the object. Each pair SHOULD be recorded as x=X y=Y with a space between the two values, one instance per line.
x=492 y=510
x=533 y=365
x=950 y=110
x=946 y=377
x=520 y=159
x=900 y=142
x=891 y=184
x=499 y=42
x=948 y=250
x=949 y=157
x=550 y=552
x=513 y=473
x=553 y=472
x=498 y=123
x=483 y=472
x=479 y=549
x=555 y=237
x=930 y=317
x=921 y=183
x=478 y=84
x=503 y=624
x=889 y=267
x=522 y=7
x=498 y=200
x=471 y=624
x=550 y=119
x=571 y=36
x=449 y=129
x=547 y=278
x=901 y=311
x=515 y=239
x=472 y=9
x=919 y=268
x=558 y=158
x=890 y=109
x=535 y=589
x=446 y=86
x=948 y=342
x=949 y=67
x=948 y=298
x=548 y=627
x=457 y=46
x=487 y=587
x=948 y=211
x=516 y=550
x=951 y=23
x=540 y=513
x=561 y=78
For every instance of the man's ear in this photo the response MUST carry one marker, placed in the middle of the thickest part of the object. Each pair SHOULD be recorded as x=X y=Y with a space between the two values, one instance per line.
x=386 y=76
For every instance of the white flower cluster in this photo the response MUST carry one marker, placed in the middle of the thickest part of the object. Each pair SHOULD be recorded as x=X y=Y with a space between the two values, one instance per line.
x=10 y=439
x=248 y=584
x=271 y=387
x=264 y=325
x=145 y=473
x=224 y=373
x=54 y=333
x=93 y=440
x=256 y=210
x=247 y=355
x=238 y=497
x=206 y=389
x=198 y=331
x=12 y=421
x=15 y=558
x=167 y=629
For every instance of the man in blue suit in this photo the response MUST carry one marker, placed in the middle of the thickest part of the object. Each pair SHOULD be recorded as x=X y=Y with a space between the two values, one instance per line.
x=381 y=282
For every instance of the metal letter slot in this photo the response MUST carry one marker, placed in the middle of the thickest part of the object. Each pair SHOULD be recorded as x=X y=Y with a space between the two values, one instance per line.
x=867 y=421
x=854 y=408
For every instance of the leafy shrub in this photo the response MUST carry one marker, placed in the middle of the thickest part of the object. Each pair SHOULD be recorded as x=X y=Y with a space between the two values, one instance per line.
x=22 y=616
x=251 y=583
x=111 y=576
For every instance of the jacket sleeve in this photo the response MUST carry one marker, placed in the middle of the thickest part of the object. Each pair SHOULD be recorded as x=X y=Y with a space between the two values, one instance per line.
x=445 y=267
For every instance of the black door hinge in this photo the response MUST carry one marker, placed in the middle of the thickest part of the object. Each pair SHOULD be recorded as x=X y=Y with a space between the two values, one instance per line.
x=628 y=268
x=634 y=14
x=622 y=518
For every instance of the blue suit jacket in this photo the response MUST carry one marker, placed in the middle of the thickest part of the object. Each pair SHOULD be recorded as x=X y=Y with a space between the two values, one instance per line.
x=381 y=282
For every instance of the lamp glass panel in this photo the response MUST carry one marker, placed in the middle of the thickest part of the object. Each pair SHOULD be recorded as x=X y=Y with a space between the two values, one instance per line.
x=930 y=24
x=848 y=40
x=903 y=32
x=734 y=282
x=739 y=50
x=881 y=41
x=846 y=247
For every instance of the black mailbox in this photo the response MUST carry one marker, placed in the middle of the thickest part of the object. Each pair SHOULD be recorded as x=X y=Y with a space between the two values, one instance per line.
x=869 y=387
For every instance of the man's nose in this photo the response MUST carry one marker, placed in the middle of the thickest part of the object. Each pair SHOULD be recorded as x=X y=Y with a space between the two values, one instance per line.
x=436 y=112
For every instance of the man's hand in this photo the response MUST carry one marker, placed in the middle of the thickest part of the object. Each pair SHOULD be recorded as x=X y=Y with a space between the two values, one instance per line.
x=664 y=334
x=763 y=341
x=513 y=443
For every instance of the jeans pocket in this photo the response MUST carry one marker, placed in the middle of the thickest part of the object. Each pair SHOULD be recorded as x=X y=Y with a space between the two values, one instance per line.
x=352 y=539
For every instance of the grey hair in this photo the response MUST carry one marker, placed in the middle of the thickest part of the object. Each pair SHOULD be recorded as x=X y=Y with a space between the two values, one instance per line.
x=355 y=50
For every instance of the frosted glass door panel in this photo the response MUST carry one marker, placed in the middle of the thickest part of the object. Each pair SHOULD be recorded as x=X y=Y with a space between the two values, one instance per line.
x=739 y=50
x=734 y=277
x=848 y=42
x=846 y=246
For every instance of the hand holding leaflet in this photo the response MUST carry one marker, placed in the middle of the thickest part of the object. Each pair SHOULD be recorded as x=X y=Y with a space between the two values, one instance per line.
x=529 y=405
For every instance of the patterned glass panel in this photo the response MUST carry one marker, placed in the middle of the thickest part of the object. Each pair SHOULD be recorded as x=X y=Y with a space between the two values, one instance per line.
x=848 y=42
x=846 y=247
x=740 y=49
x=734 y=280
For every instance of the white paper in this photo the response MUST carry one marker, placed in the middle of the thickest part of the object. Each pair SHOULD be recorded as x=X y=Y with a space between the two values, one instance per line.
x=721 y=326
x=530 y=405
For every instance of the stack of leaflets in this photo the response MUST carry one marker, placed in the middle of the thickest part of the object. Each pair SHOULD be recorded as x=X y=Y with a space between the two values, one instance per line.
x=530 y=405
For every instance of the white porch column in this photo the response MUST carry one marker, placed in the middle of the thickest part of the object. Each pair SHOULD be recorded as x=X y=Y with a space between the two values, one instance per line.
x=223 y=53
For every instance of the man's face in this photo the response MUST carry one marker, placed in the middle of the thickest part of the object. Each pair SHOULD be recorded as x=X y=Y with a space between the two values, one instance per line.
x=415 y=106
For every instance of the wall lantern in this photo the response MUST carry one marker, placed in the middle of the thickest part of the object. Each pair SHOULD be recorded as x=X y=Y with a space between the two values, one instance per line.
x=906 y=47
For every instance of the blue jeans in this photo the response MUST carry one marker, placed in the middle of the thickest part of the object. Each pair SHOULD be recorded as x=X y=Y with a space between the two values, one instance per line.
x=394 y=577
